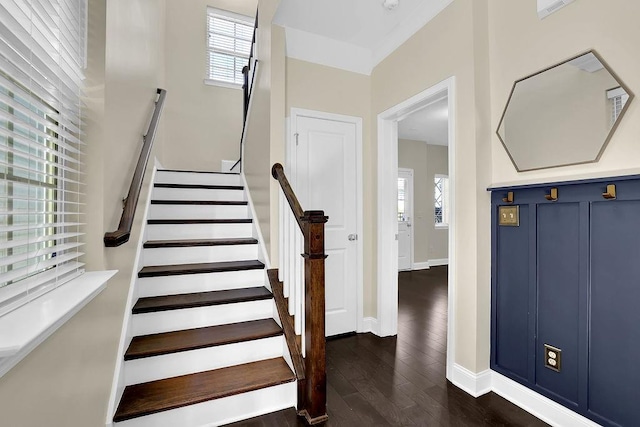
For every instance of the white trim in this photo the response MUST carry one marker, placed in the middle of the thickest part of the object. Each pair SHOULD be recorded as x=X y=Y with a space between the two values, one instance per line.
x=220 y=83
x=438 y=262
x=474 y=384
x=407 y=28
x=323 y=50
x=387 y=274
x=25 y=328
x=118 y=383
x=536 y=404
x=256 y=225
x=357 y=121
x=369 y=325
x=230 y=15
x=420 y=266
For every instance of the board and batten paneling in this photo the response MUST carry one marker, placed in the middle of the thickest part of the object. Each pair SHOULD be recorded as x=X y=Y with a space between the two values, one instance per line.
x=567 y=276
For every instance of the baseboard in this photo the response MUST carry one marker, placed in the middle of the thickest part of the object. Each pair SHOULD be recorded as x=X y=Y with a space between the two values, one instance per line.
x=370 y=324
x=420 y=265
x=536 y=404
x=474 y=384
x=438 y=262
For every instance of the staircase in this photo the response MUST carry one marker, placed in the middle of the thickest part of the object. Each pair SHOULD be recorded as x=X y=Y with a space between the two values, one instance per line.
x=207 y=348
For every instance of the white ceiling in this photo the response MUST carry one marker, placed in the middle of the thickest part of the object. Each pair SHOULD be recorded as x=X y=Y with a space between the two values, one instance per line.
x=361 y=27
x=431 y=124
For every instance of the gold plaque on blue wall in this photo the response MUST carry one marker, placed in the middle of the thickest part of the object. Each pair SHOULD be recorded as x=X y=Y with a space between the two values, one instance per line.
x=509 y=216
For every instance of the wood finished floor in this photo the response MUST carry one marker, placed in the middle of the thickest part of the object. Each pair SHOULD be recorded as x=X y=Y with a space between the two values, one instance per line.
x=400 y=381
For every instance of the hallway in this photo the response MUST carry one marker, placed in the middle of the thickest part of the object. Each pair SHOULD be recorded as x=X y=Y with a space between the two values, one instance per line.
x=401 y=380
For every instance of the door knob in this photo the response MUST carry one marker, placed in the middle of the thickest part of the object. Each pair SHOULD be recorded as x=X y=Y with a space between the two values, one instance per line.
x=408 y=224
x=353 y=237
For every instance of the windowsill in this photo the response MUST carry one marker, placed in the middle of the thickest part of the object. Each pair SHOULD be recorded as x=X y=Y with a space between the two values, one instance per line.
x=441 y=226
x=26 y=327
x=210 y=82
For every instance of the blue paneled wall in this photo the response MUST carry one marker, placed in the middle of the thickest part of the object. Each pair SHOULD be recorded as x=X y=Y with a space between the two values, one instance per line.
x=569 y=276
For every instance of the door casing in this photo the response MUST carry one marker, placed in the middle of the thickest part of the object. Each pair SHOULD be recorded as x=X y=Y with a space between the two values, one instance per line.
x=362 y=324
x=387 y=225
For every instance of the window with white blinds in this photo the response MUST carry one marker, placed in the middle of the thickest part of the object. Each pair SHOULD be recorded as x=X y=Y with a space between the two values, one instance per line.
x=42 y=57
x=618 y=98
x=229 y=39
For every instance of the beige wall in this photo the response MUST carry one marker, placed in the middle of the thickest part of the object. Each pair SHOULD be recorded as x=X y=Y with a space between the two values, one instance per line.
x=66 y=380
x=203 y=123
x=522 y=44
x=454 y=43
x=266 y=124
x=427 y=161
x=413 y=155
x=437 y=237
x=321 y=88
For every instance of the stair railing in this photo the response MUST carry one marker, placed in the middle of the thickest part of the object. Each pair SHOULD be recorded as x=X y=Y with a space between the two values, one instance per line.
x=122 y=234
x=249 y=73
x=303 y=282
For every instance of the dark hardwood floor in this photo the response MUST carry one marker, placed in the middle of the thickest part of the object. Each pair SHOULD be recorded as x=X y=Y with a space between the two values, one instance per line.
x=400 y=381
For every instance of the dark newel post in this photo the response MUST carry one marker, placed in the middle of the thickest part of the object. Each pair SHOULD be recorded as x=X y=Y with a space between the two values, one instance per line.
x=315 y=343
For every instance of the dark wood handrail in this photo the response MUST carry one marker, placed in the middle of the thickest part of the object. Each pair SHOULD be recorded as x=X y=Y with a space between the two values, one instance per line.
x=122 y=234
x=247 y=89
x=277 y=172
x=313 y=402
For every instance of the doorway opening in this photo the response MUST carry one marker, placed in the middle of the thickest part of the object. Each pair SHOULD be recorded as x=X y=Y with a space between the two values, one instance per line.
x=441 y=95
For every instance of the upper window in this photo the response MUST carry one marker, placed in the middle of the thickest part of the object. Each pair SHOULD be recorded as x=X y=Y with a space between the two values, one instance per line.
x=441 y=200
x=42 y=56
x=618 y=98
x=229 y=37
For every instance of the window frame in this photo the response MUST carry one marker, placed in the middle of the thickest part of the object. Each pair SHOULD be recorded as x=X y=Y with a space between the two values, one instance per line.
x=230 y=16
x=445 y=202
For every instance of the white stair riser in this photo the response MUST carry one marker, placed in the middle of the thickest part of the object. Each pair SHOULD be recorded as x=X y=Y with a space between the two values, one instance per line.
x=197 y=254
x=165 y=177
x=198 y=231
x=204 y=359
x=184 y=284
x=196 y=194
x=222 y=411
x=198 y=212
x=175 y=320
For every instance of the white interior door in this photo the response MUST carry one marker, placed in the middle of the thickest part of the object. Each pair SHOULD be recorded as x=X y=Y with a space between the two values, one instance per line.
x=325 y=179
x=405 y=216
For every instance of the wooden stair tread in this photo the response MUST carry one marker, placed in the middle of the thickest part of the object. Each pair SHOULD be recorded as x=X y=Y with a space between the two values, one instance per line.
x=201 y=202
x=171 y=393
x=191 y=339
x=199 y=221
x=199 y=268
x=200 y=186
x=200 y=299
x=198 y=242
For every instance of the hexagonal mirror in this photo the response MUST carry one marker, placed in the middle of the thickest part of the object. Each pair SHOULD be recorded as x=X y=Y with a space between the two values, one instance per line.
x=563 y=115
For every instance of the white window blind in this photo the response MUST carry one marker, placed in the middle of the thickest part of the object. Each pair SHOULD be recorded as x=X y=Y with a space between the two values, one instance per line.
x=42 y=57
x=229 y=39
x=618 y=98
